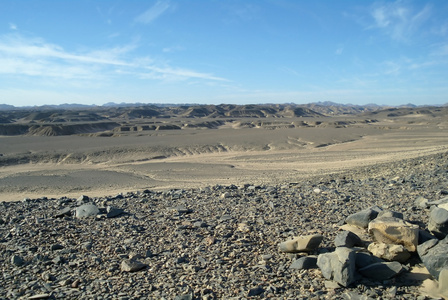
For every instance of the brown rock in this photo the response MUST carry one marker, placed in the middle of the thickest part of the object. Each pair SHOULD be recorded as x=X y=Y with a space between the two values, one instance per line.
x=389 y=252
x=395 y=231
x=301 y=244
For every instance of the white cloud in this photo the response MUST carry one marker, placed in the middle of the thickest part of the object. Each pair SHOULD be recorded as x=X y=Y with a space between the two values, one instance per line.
x=35 y=57
x=13 y=26
x=398 y=20
x=153 y=13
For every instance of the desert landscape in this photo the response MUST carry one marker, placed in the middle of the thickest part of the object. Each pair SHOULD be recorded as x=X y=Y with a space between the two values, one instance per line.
x=195 y=201
x=107 y=150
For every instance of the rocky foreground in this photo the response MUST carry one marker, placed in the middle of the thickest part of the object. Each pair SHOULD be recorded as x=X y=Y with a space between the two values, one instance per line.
x=218 y=242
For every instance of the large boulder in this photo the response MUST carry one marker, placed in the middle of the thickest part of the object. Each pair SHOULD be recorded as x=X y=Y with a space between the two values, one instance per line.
x=434 y=255
x=395 y=231
x=363 y=217
x=438 y=222
x=306 y=243
x=339 y=265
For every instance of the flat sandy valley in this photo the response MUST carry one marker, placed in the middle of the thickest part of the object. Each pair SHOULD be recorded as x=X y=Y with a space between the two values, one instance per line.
x=179 y=151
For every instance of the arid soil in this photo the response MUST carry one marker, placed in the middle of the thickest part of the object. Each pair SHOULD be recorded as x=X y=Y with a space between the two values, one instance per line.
x=192 y=202
x=137 y=149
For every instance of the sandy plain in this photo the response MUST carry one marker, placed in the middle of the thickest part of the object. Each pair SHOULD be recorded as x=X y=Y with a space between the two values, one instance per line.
x=270 y=152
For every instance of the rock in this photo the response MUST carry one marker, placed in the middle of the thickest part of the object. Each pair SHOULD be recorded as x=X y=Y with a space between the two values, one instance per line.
x=82 y=199
x=389 y=214
x=63 y=212
x=438 y=202
x=86 y=210
x=39 y=296
x=421 y=202
x=17 y=260
x=424 y=236
x=434 y=255
x=55 y=247
x=339 y=265
x=129 y=265
x=347 y=239
x=364 y=259
x=188 y=296
x=304 y=263
x=382 y=271
x=255 y=291
x=243 y=227
x=389 y=252
x=306 y=243
x=438 y=222
x=329 y=284
x=113 y=212
x=443 y=283
x=395 y=231
x=355 y=296
x=362 y=218
x=182 y=209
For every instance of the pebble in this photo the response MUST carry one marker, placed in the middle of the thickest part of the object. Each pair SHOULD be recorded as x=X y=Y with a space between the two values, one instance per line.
x=196 y=242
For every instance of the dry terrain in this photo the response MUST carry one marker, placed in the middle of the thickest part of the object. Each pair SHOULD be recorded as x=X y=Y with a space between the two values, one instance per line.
x=104 y=151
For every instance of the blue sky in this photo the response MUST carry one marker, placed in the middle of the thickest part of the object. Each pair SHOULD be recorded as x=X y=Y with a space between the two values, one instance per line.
x=197 y=51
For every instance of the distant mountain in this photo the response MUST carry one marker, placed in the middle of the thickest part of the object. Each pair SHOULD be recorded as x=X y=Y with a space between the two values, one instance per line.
x=7 y=107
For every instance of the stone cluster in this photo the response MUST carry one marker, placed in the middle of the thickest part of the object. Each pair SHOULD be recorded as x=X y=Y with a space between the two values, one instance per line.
x=287 y=241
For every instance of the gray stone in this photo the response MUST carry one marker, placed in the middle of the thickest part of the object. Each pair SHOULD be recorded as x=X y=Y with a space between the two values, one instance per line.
x=347 y=239
x=86 y=210
x=63 y=212
x=17 y=260
x=355 y=296
x=438 y=222
x=188 y=296
x=182 y=209
x=55 y=247
x=382 y=271
x=113 y=212
x=424 y=236
x=129 y=265
x=364 y=259
x=304 y=263
x=301 y=244
x=389 y=214
x=339 y=265
x=362 y=218
x=438 y=202
x=395 y=231
x=434 y=255
x=421 y=202
x=255 y=291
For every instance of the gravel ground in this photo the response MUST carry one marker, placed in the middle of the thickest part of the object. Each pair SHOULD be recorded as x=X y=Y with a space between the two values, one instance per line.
x=218 y=242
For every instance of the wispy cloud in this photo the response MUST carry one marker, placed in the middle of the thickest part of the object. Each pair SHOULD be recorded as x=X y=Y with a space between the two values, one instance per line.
x=36 y=57
x=398 y=20
x=339 y=50
x=154 y=12
x=12 y=26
